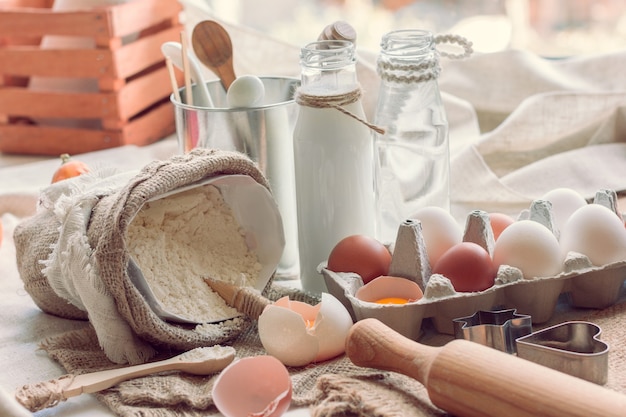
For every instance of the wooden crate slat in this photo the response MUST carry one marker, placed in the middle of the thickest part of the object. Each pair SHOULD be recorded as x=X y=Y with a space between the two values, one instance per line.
x=143 y=53
x=140 y=93
x=127 y=18
x=68 y=63
x=41 y=104
x=45 y=140
x=40 y=22
x=150 y=127
x=26 y=3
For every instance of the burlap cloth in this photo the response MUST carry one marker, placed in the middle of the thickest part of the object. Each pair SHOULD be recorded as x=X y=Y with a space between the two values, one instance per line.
x=73 y=258
x=107 y=208
x=332 y=388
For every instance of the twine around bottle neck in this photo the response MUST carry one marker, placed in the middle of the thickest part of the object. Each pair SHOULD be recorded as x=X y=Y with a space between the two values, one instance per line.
x=428 y=69
x=335 y=101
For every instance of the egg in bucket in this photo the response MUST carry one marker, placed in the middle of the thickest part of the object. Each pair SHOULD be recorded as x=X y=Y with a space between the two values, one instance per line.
x=262 y=131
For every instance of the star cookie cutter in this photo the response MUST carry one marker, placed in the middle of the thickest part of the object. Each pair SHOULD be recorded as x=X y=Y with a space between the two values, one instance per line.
x=572 y=347
x=496 y=329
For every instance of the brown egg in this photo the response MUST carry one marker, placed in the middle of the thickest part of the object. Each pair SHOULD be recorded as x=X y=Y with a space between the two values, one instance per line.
x=468 y=266
x=362 y=255
x=499 y=222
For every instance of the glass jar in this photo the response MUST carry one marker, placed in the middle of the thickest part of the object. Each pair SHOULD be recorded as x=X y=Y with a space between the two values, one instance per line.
x=333 y=157
x=413 y=155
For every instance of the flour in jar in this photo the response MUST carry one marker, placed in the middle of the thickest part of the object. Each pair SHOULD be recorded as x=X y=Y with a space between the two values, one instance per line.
x=179 y=240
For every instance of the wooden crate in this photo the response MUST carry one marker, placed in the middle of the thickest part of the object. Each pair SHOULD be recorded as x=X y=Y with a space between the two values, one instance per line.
x=131 y=104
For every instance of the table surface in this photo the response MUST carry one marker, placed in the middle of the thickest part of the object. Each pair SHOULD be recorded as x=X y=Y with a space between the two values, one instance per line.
x=23 y=326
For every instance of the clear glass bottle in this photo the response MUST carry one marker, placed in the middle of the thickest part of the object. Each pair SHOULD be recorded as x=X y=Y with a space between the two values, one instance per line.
x=413 y=156
x=333 y=157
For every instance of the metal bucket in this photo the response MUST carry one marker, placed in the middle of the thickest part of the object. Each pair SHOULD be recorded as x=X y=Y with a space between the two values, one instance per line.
x=264 y=133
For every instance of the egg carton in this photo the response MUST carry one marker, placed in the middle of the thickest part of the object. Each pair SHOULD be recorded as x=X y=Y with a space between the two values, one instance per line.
x=583 y=284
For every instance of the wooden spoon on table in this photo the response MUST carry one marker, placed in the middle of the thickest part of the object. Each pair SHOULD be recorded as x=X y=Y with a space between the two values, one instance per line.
x=213 y=47
x=199 y=361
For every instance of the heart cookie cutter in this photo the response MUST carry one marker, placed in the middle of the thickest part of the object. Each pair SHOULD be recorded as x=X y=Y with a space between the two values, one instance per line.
x=496 y=329
x=572 y=347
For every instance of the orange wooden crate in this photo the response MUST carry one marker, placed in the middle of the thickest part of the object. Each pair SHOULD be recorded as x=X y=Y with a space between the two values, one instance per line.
x=131 y=105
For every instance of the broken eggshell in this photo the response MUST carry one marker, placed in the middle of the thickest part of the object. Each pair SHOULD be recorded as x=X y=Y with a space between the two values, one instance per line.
x=366 y=298
x=389 y=287
x=253 y=386
x=298 y=333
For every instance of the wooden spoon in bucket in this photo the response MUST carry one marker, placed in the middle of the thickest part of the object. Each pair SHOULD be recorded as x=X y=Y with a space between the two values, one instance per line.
x=468 y=379
x=213 y=47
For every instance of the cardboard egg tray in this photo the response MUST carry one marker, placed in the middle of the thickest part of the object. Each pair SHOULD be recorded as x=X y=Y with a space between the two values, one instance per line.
x=583 y=284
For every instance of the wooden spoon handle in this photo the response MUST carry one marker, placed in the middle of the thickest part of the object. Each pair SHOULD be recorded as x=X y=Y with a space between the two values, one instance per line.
x=101 y=380
x=471 y=380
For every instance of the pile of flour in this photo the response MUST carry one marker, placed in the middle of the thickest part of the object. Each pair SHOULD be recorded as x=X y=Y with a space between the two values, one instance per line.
x=180 y=239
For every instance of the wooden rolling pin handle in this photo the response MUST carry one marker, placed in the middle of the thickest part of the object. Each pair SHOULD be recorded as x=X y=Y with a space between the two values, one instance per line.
x=368 y=345
x=468 y=379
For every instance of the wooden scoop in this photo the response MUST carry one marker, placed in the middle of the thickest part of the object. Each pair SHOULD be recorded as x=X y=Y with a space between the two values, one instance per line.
x=213 y=47
x=468 y=379
x=244 y=299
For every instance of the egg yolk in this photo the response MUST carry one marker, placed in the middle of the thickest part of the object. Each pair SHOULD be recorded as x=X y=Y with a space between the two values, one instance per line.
x=309 y=323
x=392 y=300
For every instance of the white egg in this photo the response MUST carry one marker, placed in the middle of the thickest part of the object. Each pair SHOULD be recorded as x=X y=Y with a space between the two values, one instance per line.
x=531 y=247
x=565 y=202
x=246 y=91
x=440 y=231
x=298 y=333
x=596 y=232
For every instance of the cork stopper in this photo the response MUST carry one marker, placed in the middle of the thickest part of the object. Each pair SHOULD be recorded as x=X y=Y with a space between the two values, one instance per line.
x=340 y=31
x=245 y=299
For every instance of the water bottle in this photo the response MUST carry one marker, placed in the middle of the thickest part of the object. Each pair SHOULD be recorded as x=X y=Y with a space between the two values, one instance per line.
x=413 y=155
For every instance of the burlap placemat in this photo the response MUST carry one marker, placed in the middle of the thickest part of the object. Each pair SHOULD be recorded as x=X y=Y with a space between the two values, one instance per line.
x=334 y=387
x=331 y=388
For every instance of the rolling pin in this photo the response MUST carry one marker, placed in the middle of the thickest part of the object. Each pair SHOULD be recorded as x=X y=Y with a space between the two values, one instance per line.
x=468 y=379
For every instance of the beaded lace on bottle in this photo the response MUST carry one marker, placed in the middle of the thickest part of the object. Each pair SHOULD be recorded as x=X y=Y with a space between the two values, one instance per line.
x=412 y=154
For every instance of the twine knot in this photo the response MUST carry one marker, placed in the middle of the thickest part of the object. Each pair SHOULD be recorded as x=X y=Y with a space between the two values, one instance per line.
x=335 y=101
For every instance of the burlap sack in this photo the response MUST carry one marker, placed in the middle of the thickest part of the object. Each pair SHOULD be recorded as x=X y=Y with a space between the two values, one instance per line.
x=110 y=209
x=34 y=239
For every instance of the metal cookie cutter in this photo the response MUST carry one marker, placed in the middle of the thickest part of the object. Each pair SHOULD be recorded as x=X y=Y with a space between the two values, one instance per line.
x=496 y=329
x=571 y=347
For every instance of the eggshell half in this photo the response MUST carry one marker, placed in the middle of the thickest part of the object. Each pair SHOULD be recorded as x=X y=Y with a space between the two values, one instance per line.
x=389 y=287
x=284 y=333
x=331 y=328
x=258 y=385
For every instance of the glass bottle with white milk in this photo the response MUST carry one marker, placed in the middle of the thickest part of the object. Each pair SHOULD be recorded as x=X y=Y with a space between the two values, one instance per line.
x=333 y=157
